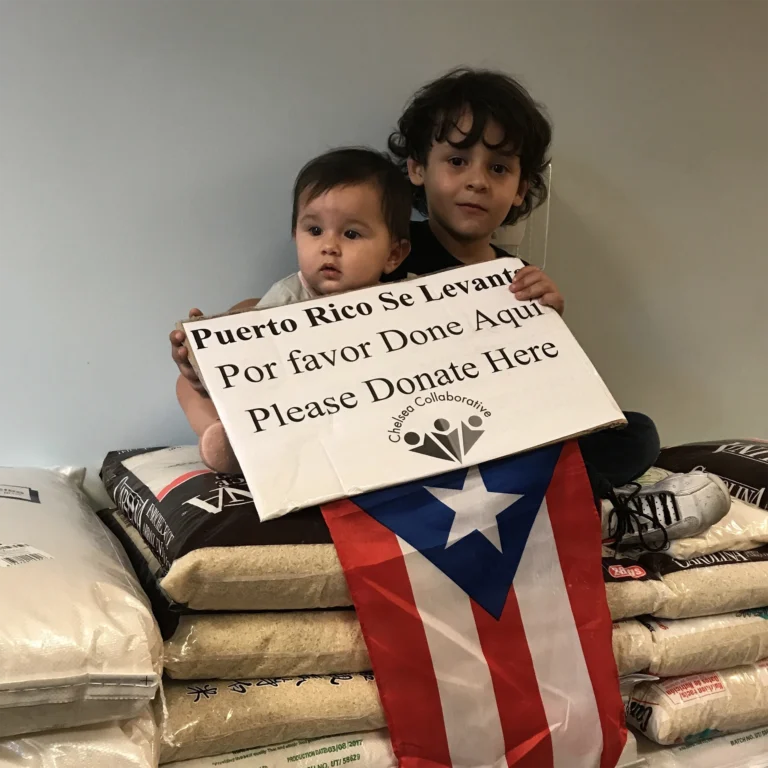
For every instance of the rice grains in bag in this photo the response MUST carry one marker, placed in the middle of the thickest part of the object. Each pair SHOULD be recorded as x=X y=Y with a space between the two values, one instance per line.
x=284 y=644
x=687 y=646
x=687 y=709
x=721 y=582
x=216 y=716
x=632 y=647
x=631 y=589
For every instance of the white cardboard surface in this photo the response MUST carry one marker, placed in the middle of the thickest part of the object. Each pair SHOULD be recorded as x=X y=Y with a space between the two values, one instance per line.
x=405 y=381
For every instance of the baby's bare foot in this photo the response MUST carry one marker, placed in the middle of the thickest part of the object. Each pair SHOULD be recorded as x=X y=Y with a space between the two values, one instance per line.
x=216 y=451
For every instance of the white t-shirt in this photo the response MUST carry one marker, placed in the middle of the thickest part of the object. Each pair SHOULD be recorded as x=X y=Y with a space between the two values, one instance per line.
x=287 y=291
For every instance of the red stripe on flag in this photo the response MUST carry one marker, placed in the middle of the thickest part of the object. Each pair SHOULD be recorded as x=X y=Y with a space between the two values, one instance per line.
x=576 y=528
x=527 y=738
x=397 y=644
x=179 y=480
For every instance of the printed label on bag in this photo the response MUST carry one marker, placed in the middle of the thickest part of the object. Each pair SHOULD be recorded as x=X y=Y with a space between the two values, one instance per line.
x=663 y=565
x=621 y=569
x=20 y=554
x=372 y=749
x=19 y=492
x=682 y=690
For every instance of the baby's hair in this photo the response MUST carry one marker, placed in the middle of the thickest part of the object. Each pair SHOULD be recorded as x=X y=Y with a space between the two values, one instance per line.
x=436 y=108
x=357 y=165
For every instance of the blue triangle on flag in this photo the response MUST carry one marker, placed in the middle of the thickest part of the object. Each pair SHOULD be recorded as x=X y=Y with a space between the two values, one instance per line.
x=415 y=515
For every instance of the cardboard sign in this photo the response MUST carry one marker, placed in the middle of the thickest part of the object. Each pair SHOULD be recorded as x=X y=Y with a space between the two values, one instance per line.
x=343 y=394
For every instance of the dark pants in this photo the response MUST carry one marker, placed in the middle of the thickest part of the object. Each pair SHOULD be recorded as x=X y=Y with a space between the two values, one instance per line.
x=615 y=457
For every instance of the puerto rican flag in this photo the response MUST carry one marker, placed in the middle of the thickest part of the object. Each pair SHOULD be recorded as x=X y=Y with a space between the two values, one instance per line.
x=482 y=602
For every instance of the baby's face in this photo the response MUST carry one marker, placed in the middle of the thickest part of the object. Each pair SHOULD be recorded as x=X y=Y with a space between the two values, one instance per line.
x=342 y=239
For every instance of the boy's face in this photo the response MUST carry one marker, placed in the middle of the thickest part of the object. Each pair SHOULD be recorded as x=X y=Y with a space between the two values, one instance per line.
x=470 y=191
x=343 y=241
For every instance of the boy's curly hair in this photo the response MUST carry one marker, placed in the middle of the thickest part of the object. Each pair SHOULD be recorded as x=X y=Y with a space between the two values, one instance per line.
x=435 y=109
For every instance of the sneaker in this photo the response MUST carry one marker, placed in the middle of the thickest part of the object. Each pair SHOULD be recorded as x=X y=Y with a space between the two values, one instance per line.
x=676 y=507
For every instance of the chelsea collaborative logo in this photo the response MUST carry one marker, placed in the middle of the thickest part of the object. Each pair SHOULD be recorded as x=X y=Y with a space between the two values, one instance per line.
x=447 y=432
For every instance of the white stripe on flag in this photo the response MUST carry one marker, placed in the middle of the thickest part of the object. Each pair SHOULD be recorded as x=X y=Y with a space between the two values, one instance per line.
x=561 y=670
x=470 y=713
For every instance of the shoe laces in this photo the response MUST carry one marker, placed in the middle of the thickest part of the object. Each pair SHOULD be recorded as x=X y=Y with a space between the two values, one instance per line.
x=629 y=516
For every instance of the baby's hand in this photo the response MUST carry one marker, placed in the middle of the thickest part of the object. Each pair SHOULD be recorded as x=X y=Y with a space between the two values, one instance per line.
x=531 y=283
x=180 y=355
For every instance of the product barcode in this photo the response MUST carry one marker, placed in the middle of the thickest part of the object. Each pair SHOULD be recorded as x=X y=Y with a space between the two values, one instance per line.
x=23 y=559
x=20 y=554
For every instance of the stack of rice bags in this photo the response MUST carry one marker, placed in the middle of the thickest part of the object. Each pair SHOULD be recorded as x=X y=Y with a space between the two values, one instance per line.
x=705 y=638
x=80 y=652
x=261 y=643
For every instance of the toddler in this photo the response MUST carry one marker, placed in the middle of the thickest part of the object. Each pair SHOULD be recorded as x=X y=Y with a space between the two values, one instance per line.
x=350 y=222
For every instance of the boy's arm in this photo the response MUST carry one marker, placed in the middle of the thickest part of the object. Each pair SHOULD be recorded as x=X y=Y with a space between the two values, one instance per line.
x=531 y=283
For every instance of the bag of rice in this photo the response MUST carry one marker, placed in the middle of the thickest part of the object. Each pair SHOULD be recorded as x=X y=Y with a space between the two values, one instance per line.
x=631 y=589
x=292 y=643
x=371 y=749
x=632 y=647
x=214 y=716
x=688 y=709
x=747 y=749
x=722 y=582
x=687 y=646
x=242 y=645
x=742 y=464
x=212 y=551
x=130 y=744
x=79 y=644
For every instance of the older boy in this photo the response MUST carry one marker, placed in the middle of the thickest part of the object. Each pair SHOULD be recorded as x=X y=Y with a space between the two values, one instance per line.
x=475 y=146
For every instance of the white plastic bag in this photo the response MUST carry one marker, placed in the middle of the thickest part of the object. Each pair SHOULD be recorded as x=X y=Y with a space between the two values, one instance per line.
x=131 y=744
x=78 y=642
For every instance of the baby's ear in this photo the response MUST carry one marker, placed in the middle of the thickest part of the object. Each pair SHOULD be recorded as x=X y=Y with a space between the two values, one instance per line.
x=400 y=249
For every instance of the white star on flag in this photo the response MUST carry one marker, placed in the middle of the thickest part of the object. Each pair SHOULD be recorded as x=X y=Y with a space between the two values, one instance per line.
x=475 y=507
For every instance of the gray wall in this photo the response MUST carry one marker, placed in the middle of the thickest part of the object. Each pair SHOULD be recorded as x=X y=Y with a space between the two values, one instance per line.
x=148 y=149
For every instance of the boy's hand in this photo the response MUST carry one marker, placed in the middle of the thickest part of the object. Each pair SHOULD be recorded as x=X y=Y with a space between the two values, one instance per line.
x=531 y=283
x=181 y=355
